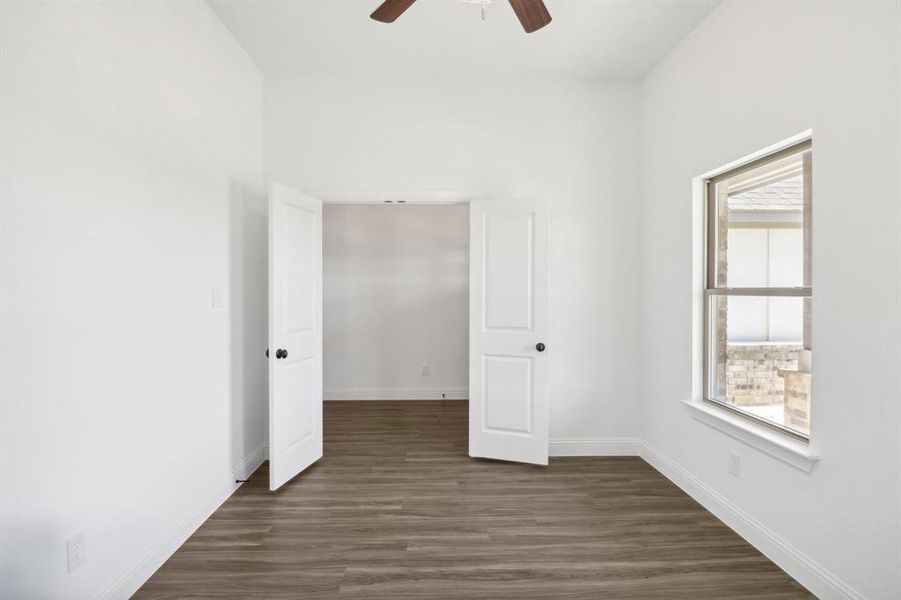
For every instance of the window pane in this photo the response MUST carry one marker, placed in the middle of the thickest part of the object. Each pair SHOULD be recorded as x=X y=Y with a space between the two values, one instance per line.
x=747 y=262
x=786 y=258
x=758 y=362
x=747 y=319
x=760 y=226
x=785 y=320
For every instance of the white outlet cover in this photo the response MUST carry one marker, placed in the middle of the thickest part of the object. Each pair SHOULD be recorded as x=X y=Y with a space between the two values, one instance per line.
x=426 y=370
x=75 y=551
x=734 y=464
x=218 y=296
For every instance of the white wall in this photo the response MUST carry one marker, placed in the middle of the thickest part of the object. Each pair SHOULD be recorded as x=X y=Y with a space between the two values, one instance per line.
x=395 y=297
x=131 y=184
x=573 y=143
x=752 y=74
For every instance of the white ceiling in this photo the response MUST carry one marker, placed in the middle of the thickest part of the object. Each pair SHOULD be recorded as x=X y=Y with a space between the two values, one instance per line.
x=599 y=39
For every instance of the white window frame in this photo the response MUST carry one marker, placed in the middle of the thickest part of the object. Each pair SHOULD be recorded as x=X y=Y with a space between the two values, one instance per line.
x=783 y=442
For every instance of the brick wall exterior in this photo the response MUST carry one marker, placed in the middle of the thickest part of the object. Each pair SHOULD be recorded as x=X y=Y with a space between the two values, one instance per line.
x=797 y=399
x=752 y=372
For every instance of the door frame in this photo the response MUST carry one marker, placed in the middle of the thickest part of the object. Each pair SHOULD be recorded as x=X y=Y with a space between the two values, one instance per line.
x=398 y=197
x=339 y=196
x=425 y=197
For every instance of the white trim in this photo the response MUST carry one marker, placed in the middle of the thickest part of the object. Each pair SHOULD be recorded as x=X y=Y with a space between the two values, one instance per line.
x=794 y=140
x=364 y=196
x=165 y=546
x=411 y=393
x=778 y=445
x=595 y=447
x=699 y=262
x=812 y=575
x=698 y=286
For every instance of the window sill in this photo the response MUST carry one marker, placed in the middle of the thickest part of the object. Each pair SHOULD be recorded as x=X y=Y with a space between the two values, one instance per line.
x=794 y=453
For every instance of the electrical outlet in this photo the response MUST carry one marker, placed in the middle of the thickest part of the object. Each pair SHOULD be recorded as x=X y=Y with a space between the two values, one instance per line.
x=426 y=370
x=75 y=550
x=217 y=296
x=734 y=464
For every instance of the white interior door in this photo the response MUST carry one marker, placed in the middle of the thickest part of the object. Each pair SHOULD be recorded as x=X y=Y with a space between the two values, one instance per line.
x=508 y=313
x=295 y=333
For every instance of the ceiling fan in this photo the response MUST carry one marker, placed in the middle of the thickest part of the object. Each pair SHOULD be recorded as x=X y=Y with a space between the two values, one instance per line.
x=533 y=14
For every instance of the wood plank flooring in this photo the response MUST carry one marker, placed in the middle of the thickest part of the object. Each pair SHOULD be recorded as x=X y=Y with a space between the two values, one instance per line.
x=396 y=509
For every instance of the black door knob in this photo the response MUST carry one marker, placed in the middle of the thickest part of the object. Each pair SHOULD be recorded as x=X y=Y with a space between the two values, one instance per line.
x=280 y=353
x=540 y=347
x=267 y=352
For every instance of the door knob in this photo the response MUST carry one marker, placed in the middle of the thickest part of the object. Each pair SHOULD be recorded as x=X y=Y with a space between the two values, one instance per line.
x=540 y=347
x=267 y=352
x=281 y=353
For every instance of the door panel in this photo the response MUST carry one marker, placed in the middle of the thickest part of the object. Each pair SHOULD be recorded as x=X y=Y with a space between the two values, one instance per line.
x=508 y=267
x=508 y=385
x=295 y=322
x=508 y=413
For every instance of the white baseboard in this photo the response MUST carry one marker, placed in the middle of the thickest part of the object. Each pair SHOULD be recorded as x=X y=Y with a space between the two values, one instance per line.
x=802 y=567
x=166 y=545
x=417 y=393
x=596 y=447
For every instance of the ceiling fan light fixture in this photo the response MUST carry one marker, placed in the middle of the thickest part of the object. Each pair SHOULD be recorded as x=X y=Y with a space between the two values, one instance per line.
x=532 y=14
x=483 y=5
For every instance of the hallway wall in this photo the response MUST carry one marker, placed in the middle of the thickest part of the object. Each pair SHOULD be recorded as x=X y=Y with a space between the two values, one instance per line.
x=395 y=298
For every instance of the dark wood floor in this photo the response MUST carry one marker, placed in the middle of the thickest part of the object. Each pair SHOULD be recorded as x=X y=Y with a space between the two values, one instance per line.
x=396 y=509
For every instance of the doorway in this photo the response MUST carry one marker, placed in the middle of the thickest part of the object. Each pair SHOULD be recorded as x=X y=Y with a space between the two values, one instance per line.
x=507 y=329
x=395 y=301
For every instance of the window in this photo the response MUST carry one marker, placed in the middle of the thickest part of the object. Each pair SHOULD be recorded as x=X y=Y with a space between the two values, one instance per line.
x=758 y=292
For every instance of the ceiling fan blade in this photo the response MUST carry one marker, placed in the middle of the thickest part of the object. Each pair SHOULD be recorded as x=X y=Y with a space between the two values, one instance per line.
x=391 y=9
x=532 y=14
